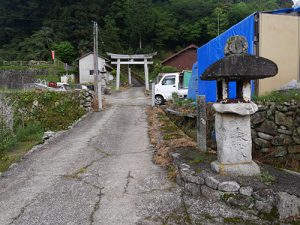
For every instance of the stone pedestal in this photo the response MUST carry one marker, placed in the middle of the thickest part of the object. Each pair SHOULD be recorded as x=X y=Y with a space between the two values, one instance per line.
x=234 y=142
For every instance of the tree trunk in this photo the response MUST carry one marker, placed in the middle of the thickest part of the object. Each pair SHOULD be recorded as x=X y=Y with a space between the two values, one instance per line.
x=140 y=41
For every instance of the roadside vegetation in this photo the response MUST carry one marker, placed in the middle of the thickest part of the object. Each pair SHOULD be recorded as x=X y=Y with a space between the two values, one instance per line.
x=182 y=113
x=279 y=96
x=166 y=136
x=33 y=114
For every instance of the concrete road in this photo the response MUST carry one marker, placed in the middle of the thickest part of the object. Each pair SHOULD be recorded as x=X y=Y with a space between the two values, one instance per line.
x=94 y=175
x=102 y=173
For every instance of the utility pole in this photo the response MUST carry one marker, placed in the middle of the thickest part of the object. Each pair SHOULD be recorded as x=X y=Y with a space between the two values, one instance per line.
x=97 y=79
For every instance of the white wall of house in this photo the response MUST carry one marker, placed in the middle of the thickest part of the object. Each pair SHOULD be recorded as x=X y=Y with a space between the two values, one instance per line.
x=86 y=68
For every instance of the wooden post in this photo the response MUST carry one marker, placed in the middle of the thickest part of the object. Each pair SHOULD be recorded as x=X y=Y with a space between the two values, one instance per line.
x=129 y=75
x=153 y=94
x=201 y=122
x=146 y=74
x=118 y=74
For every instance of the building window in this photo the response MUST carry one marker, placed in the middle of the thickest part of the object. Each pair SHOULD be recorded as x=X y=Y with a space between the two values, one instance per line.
x=92 y=72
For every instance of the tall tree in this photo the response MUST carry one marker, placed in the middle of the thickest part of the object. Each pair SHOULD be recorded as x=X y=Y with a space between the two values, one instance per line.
x=65 y=51
x=125 y=25
x=140 y=20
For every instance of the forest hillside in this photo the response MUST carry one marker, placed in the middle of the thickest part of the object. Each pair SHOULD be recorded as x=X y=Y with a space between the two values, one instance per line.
x=31 y=28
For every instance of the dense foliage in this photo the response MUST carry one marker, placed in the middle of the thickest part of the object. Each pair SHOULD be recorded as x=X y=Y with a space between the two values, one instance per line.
x=30 y=29
x=53 y=110
x=34 y=113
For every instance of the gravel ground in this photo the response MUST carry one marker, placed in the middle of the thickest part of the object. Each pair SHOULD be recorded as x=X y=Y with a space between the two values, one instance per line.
x=101 y=172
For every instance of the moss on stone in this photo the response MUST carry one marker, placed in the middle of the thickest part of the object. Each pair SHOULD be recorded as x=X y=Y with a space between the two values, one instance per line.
x=233 y=220
x=271 y=216
x=226 y=196
x=237 y=220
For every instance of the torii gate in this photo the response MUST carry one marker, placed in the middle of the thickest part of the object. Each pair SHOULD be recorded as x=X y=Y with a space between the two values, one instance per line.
x=132 y=60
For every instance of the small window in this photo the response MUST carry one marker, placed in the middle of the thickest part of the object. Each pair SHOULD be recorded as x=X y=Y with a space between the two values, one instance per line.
x=170 y=80
x=92 y=72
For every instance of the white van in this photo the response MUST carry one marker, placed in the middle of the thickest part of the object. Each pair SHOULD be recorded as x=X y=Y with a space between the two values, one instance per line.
x=168 y=84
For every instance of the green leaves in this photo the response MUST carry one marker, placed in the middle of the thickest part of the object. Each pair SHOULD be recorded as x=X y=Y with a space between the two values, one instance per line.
x=32 y=27
x=65 y=51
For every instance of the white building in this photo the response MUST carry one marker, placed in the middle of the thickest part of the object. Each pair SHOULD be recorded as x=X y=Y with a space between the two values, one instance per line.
x=86 y=67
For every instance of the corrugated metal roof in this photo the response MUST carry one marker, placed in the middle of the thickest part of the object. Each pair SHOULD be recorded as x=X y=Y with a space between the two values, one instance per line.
x=178 y=53
x=283 y=11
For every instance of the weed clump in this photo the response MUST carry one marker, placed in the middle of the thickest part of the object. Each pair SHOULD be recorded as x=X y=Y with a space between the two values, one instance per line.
x=267 y=178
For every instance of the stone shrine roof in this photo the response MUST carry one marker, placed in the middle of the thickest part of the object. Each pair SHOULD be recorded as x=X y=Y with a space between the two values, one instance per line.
x=240 y=67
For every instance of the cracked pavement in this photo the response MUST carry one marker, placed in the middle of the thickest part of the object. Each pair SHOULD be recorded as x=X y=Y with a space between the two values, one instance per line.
x=102 y=173
x=93 y=175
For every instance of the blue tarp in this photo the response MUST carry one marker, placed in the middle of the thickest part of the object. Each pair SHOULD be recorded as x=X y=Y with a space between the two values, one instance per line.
x=288 y=10
x=212 y=52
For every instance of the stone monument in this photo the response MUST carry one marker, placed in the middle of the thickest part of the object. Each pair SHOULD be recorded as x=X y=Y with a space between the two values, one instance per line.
x=232 y=120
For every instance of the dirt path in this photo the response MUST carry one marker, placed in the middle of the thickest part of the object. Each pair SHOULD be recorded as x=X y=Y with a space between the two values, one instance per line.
x=102 y=173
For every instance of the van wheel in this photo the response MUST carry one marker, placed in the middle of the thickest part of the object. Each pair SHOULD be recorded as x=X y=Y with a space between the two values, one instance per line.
x=159 y=100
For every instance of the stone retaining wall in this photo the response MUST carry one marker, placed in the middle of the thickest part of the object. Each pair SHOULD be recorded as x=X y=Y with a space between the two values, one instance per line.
x=263 y=201
x=276 y=128
x=13 y=79
x=86 y=100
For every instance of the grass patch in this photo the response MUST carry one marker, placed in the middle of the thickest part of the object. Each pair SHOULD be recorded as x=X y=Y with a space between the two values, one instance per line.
x=267 y=178
x=25 y=138
x=169 y=128
x=34 y=113
x=279 y=96
x=196 y=157
x=14 y=67
x=198 y=160
x=171 y=136
x=31 y=132
x=14 y=155
x=289 y=162
x=7 y=138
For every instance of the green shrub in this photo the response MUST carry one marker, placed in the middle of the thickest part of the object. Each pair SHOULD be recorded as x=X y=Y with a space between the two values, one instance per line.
x=267 y=178
x=169 y=69
x=175 y=97
x=54 y=110
x=31 y=132
x=7 y=139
